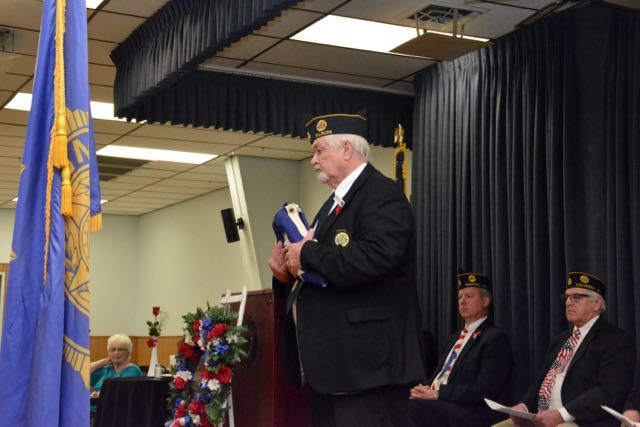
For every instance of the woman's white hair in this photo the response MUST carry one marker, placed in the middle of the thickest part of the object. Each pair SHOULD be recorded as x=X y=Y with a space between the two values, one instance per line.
x=121 y=339
x=360 y=145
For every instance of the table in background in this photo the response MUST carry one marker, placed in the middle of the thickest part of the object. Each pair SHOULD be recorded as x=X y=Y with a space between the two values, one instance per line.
x=133 y=402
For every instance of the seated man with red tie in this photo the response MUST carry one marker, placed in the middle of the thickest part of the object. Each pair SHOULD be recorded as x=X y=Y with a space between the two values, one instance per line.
x=590 y=365
x=477 y=364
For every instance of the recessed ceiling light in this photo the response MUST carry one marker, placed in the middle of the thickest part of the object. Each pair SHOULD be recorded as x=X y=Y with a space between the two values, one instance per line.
x=99 y=110
x=103 y=201
x=361 y=34
x=93 y=4
x=154 y=154
x=356 y=33
x=15 y=200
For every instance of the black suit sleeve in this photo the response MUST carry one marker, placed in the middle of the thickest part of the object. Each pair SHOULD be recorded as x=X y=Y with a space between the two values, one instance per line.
x=613 y=378
x=385 y=233
x=493 y=373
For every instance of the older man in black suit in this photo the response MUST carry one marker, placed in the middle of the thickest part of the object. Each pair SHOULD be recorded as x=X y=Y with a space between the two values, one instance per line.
x=355 y=341
x=477 y=364
x=591 y=364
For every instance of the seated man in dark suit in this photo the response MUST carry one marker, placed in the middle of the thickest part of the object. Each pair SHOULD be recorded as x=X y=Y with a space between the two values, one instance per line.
x=477 y=364
x=591 y=364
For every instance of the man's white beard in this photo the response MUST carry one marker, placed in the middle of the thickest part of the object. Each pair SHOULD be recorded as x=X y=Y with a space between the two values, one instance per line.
x=321 y=176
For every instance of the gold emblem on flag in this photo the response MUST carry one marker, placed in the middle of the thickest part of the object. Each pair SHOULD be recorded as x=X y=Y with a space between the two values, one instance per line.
x=342 y=239
x=78 y=357
x=78 y=225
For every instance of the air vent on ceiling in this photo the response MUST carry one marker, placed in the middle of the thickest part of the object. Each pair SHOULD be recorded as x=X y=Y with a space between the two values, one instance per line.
x=113 y=167
x=440 y=15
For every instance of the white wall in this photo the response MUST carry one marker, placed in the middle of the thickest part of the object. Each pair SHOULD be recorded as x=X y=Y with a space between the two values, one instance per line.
x=7 y=217
x=185 y=260
x=115 y=251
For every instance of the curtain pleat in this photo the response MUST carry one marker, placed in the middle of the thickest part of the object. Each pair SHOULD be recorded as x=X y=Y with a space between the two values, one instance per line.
x=526 y=166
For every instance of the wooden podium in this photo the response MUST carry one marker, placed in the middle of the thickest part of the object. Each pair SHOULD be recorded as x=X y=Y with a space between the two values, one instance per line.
x=262 y=394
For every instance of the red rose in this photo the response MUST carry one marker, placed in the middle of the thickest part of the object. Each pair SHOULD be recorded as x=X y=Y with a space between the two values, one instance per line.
x=196 y=340
x=156 y=311
x=196 y=326
x=180 y=383
x=219 y=329
x=151 y=343
x=182 y=410
x=188 y=351
x=196 y=407
x=207 y=374
x=224 y=374
x=211 y=335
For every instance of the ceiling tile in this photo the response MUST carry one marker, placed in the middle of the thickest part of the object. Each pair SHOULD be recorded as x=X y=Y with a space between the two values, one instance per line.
x=162 y=195
x=195 y=176
x=102 y=74
x=20 y=13
x=12 y=82
x=13 y=116
x=112 y=27
x=167 y=166
x=151 y=173
x=13 y=130
x=331 y=58
x=25 y=41
x=284 y=143
x=139 y=181
x=182 y=133
x=139 y=8
x=5 y=96
x=11 y=141
x=288 y=23
x=10 y=162
x=191 y=184
x=10 y=151
x=24 y=64
x=110 y=126
x=163 y=187
x=176 y=145
x=210 y=168
x=104 y=138
x=99 y=52
x=248 y=47
x=272 y=153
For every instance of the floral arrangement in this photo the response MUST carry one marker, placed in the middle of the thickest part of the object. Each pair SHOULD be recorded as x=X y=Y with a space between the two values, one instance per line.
x=211 y=346
x=155 y=326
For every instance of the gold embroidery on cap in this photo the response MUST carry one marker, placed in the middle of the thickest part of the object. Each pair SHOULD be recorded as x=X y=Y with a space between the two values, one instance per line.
x=321 y=125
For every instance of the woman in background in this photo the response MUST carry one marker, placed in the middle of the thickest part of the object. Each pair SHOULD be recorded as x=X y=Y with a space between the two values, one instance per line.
x=117 y=365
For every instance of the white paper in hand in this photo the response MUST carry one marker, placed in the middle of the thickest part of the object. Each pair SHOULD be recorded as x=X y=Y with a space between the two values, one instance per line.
x=510 y=411
x=624 y=420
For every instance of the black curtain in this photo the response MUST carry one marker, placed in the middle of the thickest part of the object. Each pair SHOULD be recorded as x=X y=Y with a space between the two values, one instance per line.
x=527 y=165
x=259 y=104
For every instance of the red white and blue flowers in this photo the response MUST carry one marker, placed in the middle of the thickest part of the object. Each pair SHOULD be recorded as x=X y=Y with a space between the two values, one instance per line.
x=211 y=346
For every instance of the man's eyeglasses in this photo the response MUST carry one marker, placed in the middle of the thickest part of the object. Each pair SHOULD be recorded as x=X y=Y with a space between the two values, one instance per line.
x=575 y=298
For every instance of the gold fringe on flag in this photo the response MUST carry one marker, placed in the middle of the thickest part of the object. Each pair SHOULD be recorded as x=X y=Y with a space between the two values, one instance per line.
x=96 y=222
x=59 y=137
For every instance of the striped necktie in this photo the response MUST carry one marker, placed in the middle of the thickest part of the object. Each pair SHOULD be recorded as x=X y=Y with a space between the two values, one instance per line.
x=561 y=362
x=443 y=375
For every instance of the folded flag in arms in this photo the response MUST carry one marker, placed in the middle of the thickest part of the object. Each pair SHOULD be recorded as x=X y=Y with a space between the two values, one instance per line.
x=290 y=225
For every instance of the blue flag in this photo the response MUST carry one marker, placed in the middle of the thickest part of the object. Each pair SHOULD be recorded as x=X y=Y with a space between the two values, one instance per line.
x=44 y=358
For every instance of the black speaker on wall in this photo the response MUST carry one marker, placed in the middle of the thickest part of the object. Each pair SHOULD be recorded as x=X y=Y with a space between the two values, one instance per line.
x=231 y=225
